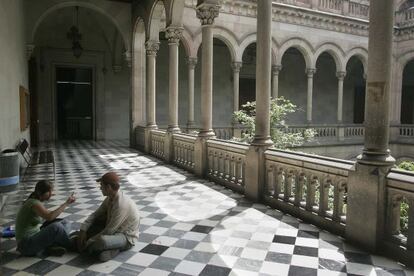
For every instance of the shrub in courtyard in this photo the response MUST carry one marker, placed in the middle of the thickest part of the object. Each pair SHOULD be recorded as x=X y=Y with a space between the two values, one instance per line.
x=279 y=110
x=408 y=166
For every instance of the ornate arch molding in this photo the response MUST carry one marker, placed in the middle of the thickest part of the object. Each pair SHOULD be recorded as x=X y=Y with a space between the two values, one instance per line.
x=302 y=45
x=334 y=51
x=404 y=59
x=245 y=42
x=224 y=35
x=361 y=54
x=188 y=43
x=120 y=19
x=154 y=19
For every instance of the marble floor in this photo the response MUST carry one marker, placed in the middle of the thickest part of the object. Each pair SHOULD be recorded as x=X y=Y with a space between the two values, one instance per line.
x=189 y=226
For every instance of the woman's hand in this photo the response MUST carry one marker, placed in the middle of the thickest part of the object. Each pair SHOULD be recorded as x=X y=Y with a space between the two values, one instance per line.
x=71 y=199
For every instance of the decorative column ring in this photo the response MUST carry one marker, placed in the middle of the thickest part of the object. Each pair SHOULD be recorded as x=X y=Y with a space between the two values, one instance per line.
x=236 y=66
x=275 y=80
x=173 y=34
x=207 y=12
x=341 y=76
x=152 y=48
x=309 y=72
x=191 y=62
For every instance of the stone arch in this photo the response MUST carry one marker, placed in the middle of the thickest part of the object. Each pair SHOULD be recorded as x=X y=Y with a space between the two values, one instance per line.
x=156 y=15
x=246 y=41
x=188 y=43
x=303 y=46
x=362 y=55
x=108 y=13
x=225 y=36
x=336 y=53
x=405 y=58
x=174 y=12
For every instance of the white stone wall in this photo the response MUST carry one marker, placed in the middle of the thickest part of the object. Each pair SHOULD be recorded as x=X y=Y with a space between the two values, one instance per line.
x=13 y=71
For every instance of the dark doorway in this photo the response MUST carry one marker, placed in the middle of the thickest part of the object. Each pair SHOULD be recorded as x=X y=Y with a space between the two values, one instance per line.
x=407 y=105
x=74 y=103
x=247 y=91
x=359 y=104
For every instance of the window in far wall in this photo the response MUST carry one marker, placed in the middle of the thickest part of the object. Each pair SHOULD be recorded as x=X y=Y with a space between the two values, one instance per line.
x=24 y=108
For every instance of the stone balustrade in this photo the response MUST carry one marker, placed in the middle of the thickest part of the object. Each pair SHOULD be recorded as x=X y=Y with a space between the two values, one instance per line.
x=407 y=131
x=223 y=133
x=310 y=187
x=157 y=143
x=400 y=190
x=354 y=131
x=226 y=163
x=405 y=18
x=184 y=151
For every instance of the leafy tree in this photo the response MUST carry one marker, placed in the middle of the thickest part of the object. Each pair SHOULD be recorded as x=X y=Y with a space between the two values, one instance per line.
x=281 y=137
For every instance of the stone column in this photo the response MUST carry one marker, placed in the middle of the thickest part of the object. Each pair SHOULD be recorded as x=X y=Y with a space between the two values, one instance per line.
x=275 y=80
x=236 y=66
x=152 y=48
x=341 y=76
x=255 y=169
x=206 y=12
x=191 y=62
x=309 y=72
x=173 y=35
x=367 y=184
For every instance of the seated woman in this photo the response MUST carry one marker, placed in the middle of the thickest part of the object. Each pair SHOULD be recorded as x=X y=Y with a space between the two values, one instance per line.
x=52 y=238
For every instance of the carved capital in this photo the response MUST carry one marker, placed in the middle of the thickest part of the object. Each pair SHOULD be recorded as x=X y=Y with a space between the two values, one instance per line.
x=310 y=72
x=173 y=34
x=207 y=13
x=340 y=75
x=276 y=69
x=236 y=66
x=192 y=62
x=128 y=58
x=152 y=47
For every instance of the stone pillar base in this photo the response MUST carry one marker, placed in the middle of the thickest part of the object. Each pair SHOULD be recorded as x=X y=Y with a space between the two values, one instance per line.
x=255 y=172
x=169 y=145
x=200 y=156
x=366 y=203
x=148 y=129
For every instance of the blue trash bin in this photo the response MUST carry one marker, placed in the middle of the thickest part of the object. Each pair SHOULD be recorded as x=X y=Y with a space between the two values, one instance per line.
x=9 y=170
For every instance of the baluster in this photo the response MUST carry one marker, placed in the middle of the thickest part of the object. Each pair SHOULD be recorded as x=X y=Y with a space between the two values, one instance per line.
x=393 y=214
x=324 y=196
x=242 y=172
x=270 y=179
x=279 y=182
x=310 y=192
x=227 y=167
x=238 y=170
x=288 y=186
x=210 y=162
x=177 y=149
x=232 y=169
x=216 y=165
x=300 y=181
x=410 y=232
x=339 y=201
x=221 y=165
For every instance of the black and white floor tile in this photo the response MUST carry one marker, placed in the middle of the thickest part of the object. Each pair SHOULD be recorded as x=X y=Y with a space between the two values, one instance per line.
x=189 y=226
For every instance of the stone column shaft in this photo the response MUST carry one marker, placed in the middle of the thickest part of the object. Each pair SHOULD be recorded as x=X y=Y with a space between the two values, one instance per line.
x=236 y=66
x=263 y=72
x=378 y=83
x=340 y=76
x=173 y=35
x=275 y=81
x=152 y=48
x=191 y=66
x=309 y=72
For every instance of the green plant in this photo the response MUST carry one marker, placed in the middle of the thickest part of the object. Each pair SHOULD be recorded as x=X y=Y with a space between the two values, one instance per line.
x=406 y=165
x=279 y=110
x=404 y=207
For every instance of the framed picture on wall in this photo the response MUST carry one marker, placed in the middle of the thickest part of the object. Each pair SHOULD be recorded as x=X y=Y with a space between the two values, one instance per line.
x=24 y=108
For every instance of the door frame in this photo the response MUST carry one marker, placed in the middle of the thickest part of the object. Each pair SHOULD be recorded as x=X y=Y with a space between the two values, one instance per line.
x=55 y=98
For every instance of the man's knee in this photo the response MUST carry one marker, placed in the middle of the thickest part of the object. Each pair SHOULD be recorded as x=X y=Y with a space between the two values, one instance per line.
x=98 y=245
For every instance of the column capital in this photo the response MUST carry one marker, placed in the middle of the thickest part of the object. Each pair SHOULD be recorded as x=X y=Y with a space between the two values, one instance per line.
x=29 y=50
x=152 y=47
x=236 y=66
x=276 y=69
x=128 y=58
x=207 y=12
x=192 y=62
x=310 y=72
x=340 y=75
x=173 y=34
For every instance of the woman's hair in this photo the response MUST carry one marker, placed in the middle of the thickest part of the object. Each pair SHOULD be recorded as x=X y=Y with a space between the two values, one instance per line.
x=42 y=187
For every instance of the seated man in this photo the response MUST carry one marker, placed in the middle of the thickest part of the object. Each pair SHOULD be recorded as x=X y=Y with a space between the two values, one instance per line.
x=113 y=226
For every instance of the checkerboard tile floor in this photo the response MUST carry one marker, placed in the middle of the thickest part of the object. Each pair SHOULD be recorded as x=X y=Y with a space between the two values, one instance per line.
x=189 y=226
